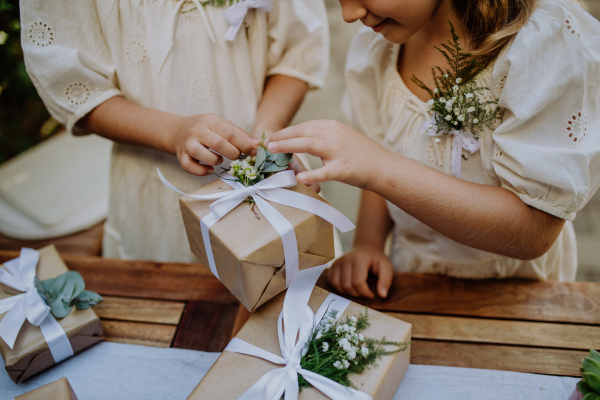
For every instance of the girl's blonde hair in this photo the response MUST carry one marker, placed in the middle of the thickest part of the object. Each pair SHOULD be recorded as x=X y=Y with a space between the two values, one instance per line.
x=491 y=24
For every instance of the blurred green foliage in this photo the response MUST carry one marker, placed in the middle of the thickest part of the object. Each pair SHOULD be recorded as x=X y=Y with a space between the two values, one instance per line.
x=22 y=113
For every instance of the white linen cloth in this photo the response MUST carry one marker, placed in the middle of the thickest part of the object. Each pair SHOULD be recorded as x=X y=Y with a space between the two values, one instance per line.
x=546 y=149
x=159 y=54
x=110 y=371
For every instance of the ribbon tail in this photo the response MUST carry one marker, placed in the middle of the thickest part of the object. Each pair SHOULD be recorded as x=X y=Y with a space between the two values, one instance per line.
x=57 y=339
x=332 y=389
x=456 y=156
x=242 y=347
x=12 y=322
x=269 y=387
x=205 y=225
x=288 y=237
x=9 y=302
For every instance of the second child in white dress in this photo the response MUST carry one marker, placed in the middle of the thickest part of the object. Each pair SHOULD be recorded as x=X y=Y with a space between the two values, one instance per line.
x=169 y=81
x=498 y=204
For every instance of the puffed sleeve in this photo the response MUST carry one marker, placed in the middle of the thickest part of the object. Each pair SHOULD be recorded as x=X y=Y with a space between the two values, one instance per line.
x=548 y=144
x=299 y=41
x=67 y=58
x=364 y=79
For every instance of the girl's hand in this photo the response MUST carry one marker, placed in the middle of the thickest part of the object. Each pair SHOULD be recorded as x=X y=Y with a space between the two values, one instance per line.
x=298 y=166
x=349 y=273
x=347 y=155
x=199 y=133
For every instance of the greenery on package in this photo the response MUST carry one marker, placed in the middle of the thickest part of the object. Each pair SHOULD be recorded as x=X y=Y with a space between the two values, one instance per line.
x=589 y=385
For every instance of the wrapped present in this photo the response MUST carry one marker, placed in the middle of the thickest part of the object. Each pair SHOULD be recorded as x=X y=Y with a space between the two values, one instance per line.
x=255 y=247
x=32 y=339
x=59 y=390
x=265 y=358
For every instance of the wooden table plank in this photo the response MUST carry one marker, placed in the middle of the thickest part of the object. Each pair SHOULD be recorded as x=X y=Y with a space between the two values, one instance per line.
x=206 y=326
x=505 y=358
x=140 y=310
x=516 y=299
x=478 y=330
x=145 y=279
x=154 y=335
x=85 y=243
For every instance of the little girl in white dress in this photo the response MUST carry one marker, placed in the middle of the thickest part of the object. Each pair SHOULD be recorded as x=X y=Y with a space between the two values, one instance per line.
x=510 y=213
x=168 y=80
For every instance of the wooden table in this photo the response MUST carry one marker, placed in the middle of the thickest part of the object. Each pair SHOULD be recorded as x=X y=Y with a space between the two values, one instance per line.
x=515 y=325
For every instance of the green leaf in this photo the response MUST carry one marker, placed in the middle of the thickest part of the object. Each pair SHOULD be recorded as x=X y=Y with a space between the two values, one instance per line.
x=40 y=288
x=87 y=299
x=593 y=380
x=591 y=396
x=595 y=355
x=59 y=308
x=66 y=286
x=584 y=388
x=591 y=365
x=46 y=283
x=261 y=156
x=273 y=167
x=283 y=159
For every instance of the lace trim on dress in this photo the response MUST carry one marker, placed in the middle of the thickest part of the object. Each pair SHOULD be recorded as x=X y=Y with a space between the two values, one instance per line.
x=577 y=126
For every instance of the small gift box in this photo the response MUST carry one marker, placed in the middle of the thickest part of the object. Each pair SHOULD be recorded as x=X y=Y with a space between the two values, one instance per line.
x=264 y=359
x=28 y=348
x=255 y=238
x=59 y=390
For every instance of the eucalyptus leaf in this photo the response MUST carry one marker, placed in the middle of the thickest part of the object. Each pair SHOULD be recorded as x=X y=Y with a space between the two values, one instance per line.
x=261 y=156
x=46 y=283
x=283 y=159
x=87 y=299
x=40 y=288
x=66 y=286
x=273 y=167
x=59 y=307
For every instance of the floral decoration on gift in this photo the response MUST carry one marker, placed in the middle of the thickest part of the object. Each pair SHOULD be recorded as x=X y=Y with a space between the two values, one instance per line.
x=456 y=101
x=64 y=292
x=589 y=385
x=337 y=349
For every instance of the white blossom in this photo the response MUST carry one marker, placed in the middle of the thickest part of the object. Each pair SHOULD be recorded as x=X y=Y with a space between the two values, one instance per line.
x=345 y=344
x=448 y=117
x=364 y=351
x=442 y=100
x=469 y=95
x=346 y=363
x=455 y=88
x=437 y=140
x=319 y=334
x=339 y=329
x=475 y=120
x=461 y=118
x=325 y=346
x=339 y=365
x=251 y=173
x=471 y=109
x=456 y=111
x=448 y=106
x=232 y=171
x=445 y=75
x=352 y=354
x=436 y=91
x=353 y=320
x=455 y=122
x=361 y=337
x=330 y=321
x=235 y=163
x=430 y=102
x=458 y=80
x=348 y=337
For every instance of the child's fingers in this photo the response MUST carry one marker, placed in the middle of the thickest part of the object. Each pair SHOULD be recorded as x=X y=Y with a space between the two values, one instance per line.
x=322 y=174
x=346 y=279
x=198 y=152
x=193 y=167
x=316 y=147
x=242 y=140
x=360 y=273
x=333 y=276
x=385 y=271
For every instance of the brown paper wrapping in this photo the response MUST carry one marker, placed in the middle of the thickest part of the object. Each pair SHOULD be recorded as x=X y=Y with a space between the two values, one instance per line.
x=248 y=251
x=379 y=382
x=30 y=353
x=59 y=390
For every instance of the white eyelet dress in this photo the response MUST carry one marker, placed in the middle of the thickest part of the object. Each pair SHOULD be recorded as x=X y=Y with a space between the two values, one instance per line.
x=546 y=148
x=172 y=56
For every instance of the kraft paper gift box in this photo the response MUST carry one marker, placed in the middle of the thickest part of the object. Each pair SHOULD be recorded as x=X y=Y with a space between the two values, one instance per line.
x=59 y=390
x=30 y=353
x=380 y=382
x=248 y=251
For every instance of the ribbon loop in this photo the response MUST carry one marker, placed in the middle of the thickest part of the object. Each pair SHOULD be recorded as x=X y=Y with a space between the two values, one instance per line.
x=299 y=322
x=20 y=274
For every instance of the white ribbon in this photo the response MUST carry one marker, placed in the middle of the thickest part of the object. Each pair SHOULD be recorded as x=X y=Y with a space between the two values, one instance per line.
x=19 y=275
x=269 y=189
x=299 y=322
x=236 y=13
x=461 y=139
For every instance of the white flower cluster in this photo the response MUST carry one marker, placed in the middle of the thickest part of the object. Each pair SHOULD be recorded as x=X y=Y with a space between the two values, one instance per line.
x=457 y=107
x=243 y=168
x=348 y=340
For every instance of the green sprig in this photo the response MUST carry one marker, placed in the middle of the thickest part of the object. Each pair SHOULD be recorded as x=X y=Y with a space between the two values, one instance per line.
x=65 y=292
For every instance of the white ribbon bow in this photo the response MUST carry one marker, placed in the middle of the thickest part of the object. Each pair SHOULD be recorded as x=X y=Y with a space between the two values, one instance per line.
x=299 y=321
x=236 y=13
x=460 y=140
x=19 y=275
x=269 y=189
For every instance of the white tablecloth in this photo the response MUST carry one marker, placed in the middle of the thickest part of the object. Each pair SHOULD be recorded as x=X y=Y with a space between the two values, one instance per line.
x=110 y=371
